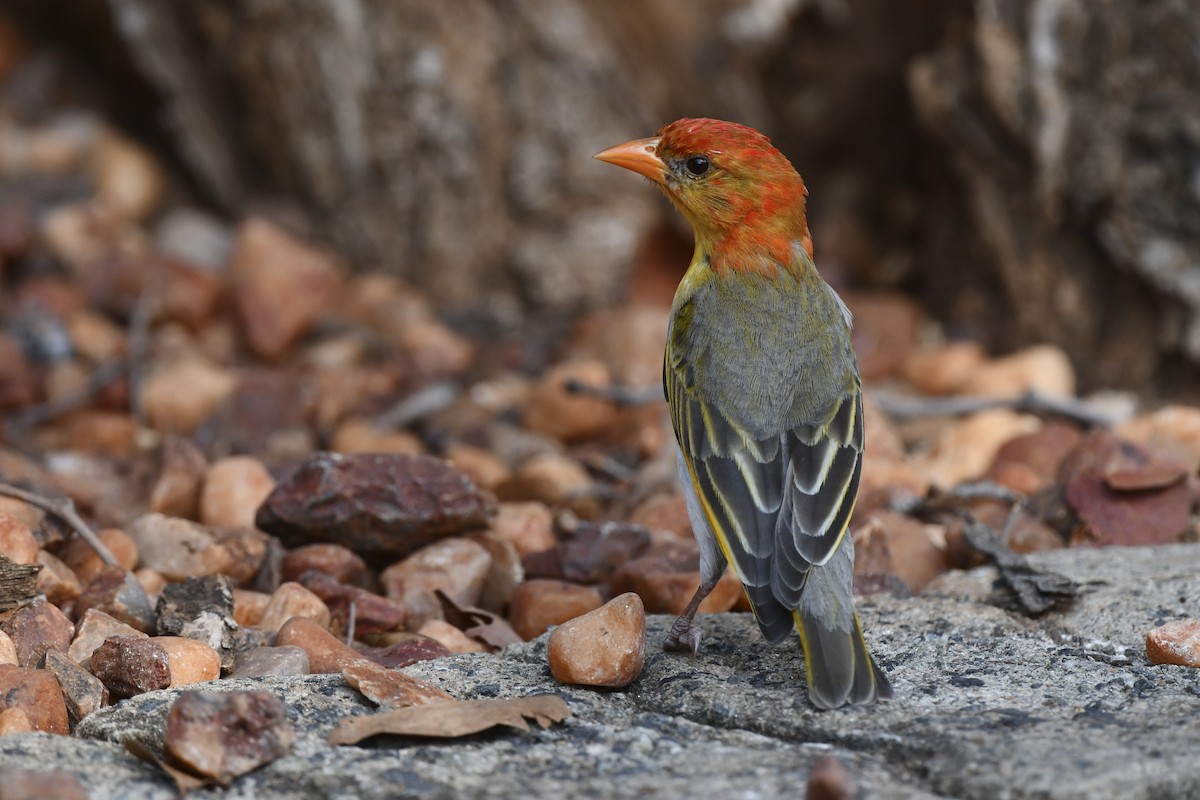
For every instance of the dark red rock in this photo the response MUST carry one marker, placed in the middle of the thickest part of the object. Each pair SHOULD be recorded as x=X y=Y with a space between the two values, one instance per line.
x=222 y=735
x=36 y=692
x=36 y=628
x=340 y=562
x=405 y=652
x=591 y=554
x=372 y=613
x=129 y=665
x=382 y=506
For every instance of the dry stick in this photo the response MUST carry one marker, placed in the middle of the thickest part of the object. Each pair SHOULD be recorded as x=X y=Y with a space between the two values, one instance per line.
x=139 y=345
x=616 y=394
x=65 y=510
x=100 y=377
x=898 y=406
x=351 y=617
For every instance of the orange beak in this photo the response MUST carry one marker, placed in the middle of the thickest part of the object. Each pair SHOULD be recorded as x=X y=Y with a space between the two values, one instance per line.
x=640 y=155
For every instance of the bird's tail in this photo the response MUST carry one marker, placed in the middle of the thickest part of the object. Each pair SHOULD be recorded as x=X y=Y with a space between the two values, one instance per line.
x=840 y=668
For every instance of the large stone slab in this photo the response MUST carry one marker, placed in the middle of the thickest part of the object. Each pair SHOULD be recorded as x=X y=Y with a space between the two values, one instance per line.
x=988 y=704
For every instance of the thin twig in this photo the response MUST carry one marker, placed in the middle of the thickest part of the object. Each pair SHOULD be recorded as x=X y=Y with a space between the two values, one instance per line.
x=902 y=407
x=616 y=394
x=351 y=618
x=99 y=378
x=418 y=405
x=139 y=346
x=951 y=500
x=64 y=509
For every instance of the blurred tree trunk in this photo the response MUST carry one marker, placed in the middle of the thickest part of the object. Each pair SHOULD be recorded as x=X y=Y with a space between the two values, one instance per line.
x=1073 y=130
x=449 y=142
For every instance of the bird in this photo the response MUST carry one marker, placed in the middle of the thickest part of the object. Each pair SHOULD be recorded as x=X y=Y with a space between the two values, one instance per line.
x=765 y=397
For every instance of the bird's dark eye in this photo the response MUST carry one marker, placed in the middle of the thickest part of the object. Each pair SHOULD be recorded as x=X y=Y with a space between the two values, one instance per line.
x=697 y=166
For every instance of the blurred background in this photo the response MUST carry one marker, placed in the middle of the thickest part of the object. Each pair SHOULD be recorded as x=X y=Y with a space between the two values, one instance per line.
x=1020 y=170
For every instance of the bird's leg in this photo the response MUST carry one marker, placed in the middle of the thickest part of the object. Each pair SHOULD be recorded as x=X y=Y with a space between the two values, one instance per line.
x=684 y=635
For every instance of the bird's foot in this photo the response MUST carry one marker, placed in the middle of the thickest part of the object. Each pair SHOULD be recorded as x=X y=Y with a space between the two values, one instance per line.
x=684 y=637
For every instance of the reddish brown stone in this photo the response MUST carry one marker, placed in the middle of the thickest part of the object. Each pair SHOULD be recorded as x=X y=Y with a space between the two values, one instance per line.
x=528 y=527
x=326 y=653
x=555 y=409
x=56 y=580
x=233 y=490
x=222 y=735
x=893 y=544
x=176 y=491
x=667 y=577
x=406 y=651
x=605 y=647
x=339 y=562
x=457 y=567
x=540 y=603
x=130 y=665
x=591 y=554
x=118 y=593
x=292 y=600
x=1176 y=642
x=36 y=692
x=383 y=506
x=86 y=562
x=36 y=628
x=372 y=613
x=17 y=541
x=90 y=632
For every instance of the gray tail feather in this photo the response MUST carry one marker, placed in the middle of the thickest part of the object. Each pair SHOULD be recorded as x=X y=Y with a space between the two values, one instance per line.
x=840 y=669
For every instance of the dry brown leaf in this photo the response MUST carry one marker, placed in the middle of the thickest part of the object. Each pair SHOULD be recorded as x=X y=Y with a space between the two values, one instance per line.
x=483 y=626
x=453 y=719
x=390 y=688
x=1144 y=478
x=184 y=781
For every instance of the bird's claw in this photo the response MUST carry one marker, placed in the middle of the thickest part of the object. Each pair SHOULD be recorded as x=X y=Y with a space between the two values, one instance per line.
x=684 y=637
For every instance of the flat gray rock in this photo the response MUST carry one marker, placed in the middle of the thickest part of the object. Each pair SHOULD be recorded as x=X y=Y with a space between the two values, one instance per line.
x=988 y=704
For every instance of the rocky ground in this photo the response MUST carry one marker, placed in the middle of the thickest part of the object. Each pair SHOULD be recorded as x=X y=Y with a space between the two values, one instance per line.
x=294 y=478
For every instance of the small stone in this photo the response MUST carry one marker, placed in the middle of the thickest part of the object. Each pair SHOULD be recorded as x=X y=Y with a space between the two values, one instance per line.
x=293 y=600
x=591 y=554
x=18 y=383
x=484 y=468
x=82 y=691
x=8 y=650
x=451 y=637
x=383 y=506
x=945 y=369
x=458 y=567
x=1043 y=368
x=86 y=562
x=528 y=526
x=36 y=692
x=965 y=450
x=1176 y=642
x=152 y=581
x=14 y=720
x=36 y=628
x=554 y=408
x=131 y=665
x=129 y=180
x=326 y=653
x=538 y=604
x=667 y=577
x=664 y=511
x=504 y=574
x=28 y=784
x=17 y=541
x=372 y=613
x=893 y=544
x=1172 y=431
x=234 y=488
x=222 y=735
x=281 y=285
x=200 y=609
x=194 y=236
x=189 y=661
x=96 y=337
x=262 y=662
x=56 y=580
x=116 y=592
x=605 y=647
x=178 y=397
x=358 y=435
x=390 y=688
x=93 y=628
x=180 y=548
x=339 y=562
x=176 y=491
x=554 y=479
x=248 y=606
x=829 y=780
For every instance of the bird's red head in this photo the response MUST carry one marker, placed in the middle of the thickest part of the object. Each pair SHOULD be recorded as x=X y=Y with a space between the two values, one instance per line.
x=744 y=199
